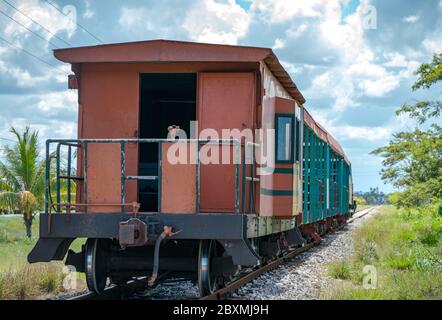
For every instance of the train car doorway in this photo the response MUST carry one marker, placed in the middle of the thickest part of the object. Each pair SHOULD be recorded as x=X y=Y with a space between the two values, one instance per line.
x=166 y=99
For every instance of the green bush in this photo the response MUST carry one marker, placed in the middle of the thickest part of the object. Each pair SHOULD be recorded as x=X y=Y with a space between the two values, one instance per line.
x=400 y=260
x=340 y=270
x=50 y=279
x=367 y=253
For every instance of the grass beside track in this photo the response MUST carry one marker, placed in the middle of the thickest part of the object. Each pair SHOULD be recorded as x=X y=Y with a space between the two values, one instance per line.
x=405 y=249
x=19 y=279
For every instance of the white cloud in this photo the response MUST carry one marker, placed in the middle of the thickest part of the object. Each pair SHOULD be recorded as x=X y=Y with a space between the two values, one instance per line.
x=65 y=129
x=282 y=10
x=331 y=84
x=88 y=13
x=216 y=22
x=55 y=102
x=45 y=15
x=359 y=72
x=379 y=87
x=139 y=19
x=410 y=19
x=395 y=60
x=291 y=34
x=221 y=21
x=24 y=78
x=291 y=68
x=296 y=31
x=433 y=45
x=20 y=124
x=362 y=133
x=130 y=17
x=345 y=132
x=20 y=75
x=279 y=44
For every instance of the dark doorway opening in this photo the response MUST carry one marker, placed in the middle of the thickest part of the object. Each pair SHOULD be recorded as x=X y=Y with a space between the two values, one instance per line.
x=165 y=99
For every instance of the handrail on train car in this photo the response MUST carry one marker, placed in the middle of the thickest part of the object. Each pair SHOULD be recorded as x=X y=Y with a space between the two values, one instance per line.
x=251 y=179
x=83 y=143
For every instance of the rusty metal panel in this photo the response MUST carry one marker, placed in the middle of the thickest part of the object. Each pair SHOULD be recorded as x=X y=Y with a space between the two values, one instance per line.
x=221 y=94
x=178 y=181
x=109 y=109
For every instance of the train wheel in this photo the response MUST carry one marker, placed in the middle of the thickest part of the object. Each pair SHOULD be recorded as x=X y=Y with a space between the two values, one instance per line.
x=95 y=264
x=207 y=280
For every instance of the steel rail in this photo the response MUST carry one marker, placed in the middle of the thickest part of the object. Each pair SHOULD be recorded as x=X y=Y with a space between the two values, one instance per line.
x=235 y=285
x=112 y=291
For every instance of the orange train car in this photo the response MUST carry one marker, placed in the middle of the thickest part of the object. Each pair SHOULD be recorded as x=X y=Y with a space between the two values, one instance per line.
x=206 y=145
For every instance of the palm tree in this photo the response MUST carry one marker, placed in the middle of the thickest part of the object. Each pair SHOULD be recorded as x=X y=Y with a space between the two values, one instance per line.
x=22 y=177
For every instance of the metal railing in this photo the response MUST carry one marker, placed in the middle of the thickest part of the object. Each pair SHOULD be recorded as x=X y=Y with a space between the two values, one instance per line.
x=84 y=143
x=251 y=179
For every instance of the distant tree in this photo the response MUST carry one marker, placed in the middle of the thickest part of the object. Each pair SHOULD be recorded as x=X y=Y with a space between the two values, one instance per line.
x=413 y=159
x=374 y=196
x=22 y=177
x=393 y=198
x=429 y=74
x=360 y=201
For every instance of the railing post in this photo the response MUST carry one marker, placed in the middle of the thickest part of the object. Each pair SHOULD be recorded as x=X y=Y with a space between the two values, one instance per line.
x=252 y=182
x=237 y=159
x=160 y=170
x=198 y=175
x=85 y=149
x=123 y=177
x=48 y=164
x=69 y=176
x=243 y=196
x=58 y=178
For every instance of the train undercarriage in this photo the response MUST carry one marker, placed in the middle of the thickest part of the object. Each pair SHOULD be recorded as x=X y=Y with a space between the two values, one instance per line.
x=135 y=247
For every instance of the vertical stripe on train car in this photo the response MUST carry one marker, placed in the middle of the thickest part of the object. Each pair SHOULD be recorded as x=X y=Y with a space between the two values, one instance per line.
x=295 y=199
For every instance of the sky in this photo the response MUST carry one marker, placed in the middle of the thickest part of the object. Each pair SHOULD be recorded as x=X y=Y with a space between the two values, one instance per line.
x=353 y=60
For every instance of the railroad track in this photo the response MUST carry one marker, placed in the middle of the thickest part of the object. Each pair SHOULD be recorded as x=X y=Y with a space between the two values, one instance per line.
x=361 y=213
x=114 y=292
x=232 y=287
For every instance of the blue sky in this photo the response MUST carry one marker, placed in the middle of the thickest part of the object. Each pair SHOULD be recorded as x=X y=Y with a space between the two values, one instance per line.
x=353 y=75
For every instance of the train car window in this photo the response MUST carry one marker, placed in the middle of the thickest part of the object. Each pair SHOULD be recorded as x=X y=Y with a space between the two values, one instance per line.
x=284 y=137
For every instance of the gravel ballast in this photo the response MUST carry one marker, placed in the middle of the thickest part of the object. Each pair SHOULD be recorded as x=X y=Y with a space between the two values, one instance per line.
x=304 y=280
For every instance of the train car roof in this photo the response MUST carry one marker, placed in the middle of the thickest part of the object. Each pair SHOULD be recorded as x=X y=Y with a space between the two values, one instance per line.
x=324 y=135
x=163 y=51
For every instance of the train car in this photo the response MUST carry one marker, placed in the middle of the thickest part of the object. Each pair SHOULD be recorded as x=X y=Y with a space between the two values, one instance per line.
x=191 y=159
